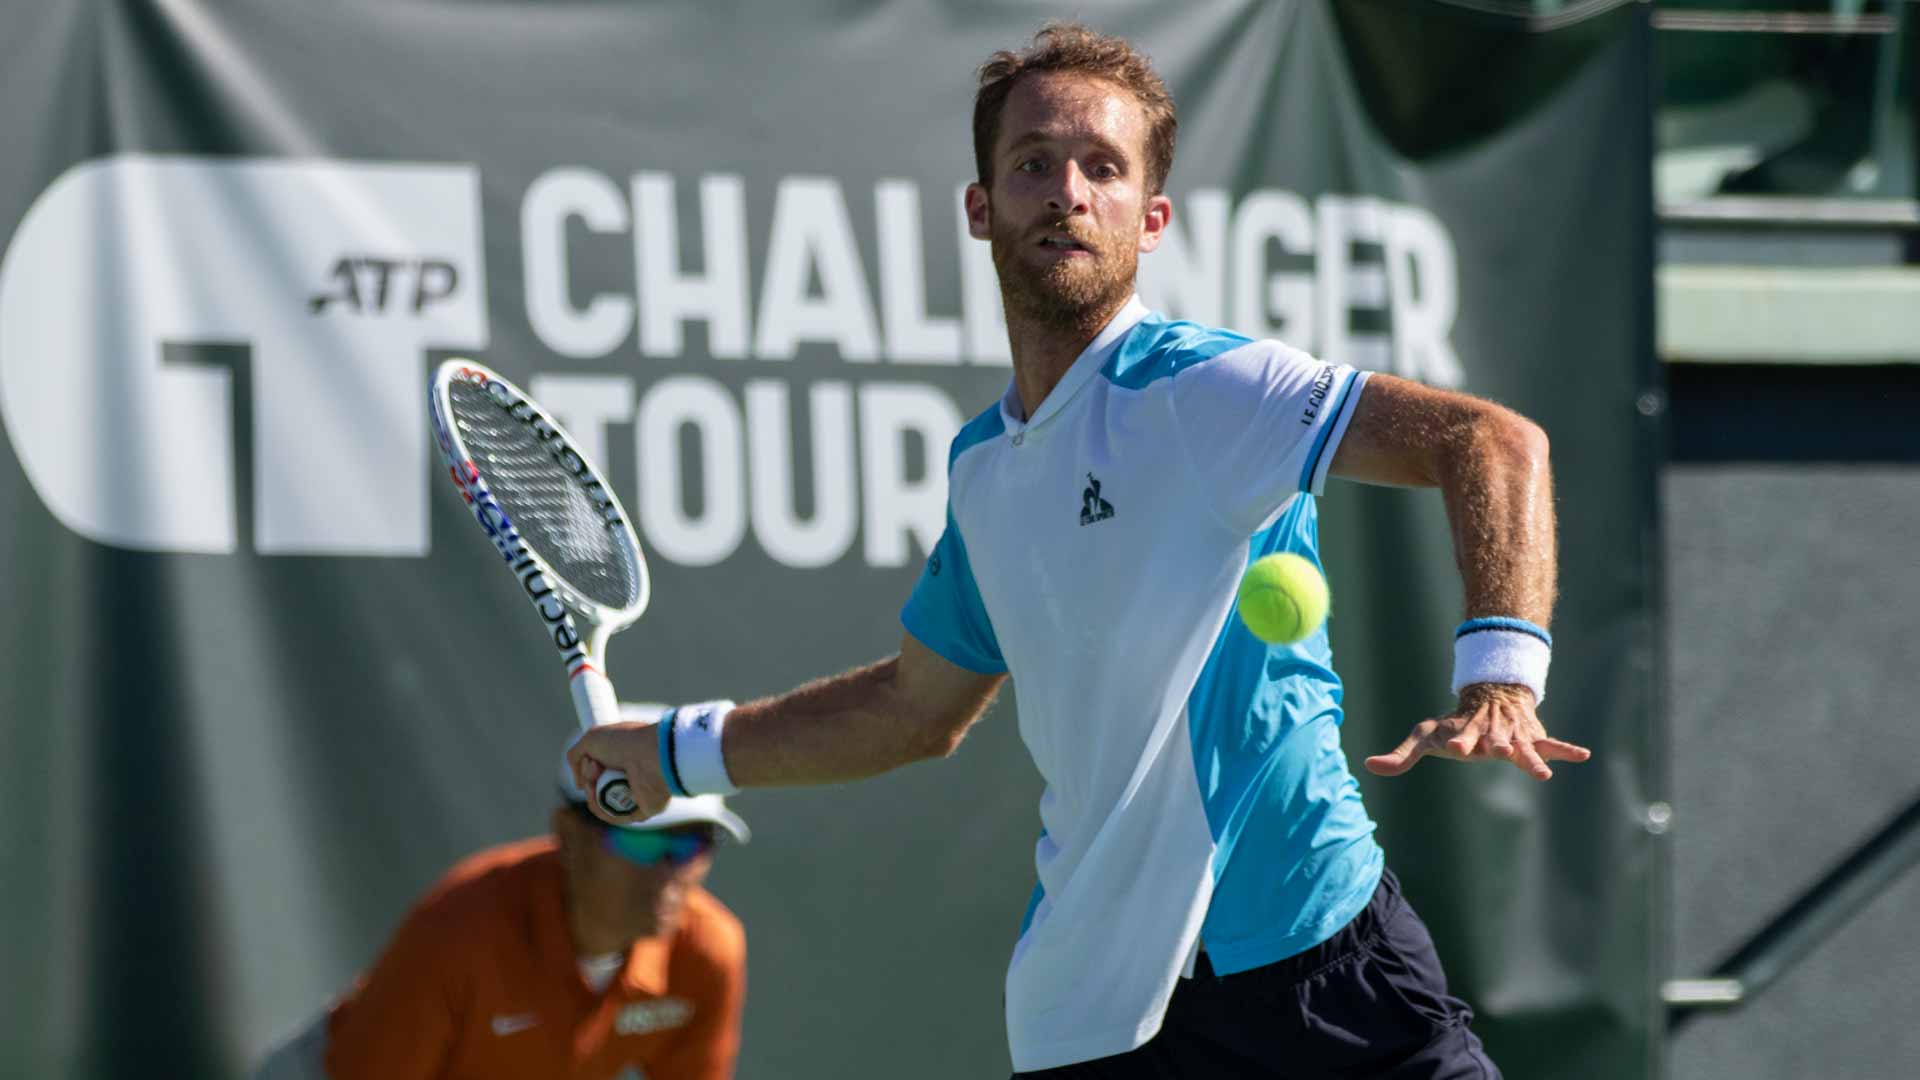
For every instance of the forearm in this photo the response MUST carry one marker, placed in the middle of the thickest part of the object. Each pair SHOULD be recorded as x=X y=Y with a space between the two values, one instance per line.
x=1498 y=489
x=846 y=727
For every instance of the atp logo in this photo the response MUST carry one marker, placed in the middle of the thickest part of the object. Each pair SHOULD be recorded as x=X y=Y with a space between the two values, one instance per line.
x=364 y=283
x=184 y=342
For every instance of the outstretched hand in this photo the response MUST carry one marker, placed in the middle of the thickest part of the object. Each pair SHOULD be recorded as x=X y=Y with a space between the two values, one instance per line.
x=630 y=747
x=1494 y=722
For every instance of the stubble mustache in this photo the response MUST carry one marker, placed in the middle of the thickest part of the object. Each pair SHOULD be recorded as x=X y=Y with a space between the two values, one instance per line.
x=1061 y=294
x=1065 y=230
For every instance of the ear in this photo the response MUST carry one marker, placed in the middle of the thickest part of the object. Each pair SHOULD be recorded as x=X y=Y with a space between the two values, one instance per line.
x=979 y=212
x=1154 y=224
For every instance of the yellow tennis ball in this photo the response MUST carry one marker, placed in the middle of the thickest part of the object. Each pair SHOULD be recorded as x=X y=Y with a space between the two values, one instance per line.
x=1283 y=598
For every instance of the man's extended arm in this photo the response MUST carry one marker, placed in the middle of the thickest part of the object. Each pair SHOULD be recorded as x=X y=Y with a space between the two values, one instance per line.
x=1490 y=465
x=890 y=713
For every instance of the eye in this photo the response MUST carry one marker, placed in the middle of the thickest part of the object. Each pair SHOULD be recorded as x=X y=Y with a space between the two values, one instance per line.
x=1030 y=165
x=1105 y=171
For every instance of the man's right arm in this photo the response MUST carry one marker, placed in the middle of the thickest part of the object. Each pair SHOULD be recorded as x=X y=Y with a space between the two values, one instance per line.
x=890 y=713
x=905 y=708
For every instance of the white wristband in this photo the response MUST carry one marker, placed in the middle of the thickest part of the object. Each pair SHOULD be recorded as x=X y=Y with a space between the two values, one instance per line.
x=1497 y=654
x=695 y=747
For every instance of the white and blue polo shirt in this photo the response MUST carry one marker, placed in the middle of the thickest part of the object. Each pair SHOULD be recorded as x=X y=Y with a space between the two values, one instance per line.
x=1195 y=786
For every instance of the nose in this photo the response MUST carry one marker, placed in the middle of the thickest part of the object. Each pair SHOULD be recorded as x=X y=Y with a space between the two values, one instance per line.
x=1070 y=190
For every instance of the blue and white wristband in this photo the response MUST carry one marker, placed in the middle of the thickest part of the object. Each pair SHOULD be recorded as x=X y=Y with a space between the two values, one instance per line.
x=690 y=758
x=1502 y=650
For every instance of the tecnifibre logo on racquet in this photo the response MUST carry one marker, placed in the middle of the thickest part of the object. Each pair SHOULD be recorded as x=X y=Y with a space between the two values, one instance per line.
x=526 y=566
x=499 y=527
x=568 y=458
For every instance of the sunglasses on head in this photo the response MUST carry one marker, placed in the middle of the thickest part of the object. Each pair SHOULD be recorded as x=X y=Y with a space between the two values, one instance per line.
x=649 y=847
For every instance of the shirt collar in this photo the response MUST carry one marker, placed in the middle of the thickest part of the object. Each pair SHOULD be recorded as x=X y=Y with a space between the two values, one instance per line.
x=646 y=970
x=1091 y=360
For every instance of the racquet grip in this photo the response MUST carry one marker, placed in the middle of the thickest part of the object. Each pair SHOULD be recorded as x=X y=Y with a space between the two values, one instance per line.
x=594 y=704
x=593 y=699
x=613 y=793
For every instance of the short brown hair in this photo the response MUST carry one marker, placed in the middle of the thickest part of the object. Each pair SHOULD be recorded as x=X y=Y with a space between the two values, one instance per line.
x=1071 y=47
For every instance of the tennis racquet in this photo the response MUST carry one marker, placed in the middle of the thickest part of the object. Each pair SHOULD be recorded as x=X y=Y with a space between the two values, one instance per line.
x=556 y=522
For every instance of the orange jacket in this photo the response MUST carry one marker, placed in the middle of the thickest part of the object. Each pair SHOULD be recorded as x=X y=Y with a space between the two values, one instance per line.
x=481 y=981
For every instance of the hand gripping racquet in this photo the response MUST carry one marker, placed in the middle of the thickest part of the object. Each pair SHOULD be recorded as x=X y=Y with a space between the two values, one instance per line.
x=555 y=521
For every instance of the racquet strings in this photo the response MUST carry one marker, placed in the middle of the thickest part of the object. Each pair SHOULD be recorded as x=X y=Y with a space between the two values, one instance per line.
x=546 y=504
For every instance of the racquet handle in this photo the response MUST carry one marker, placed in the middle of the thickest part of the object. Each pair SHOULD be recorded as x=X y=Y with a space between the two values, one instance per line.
x=594 y=704
x=613 y=793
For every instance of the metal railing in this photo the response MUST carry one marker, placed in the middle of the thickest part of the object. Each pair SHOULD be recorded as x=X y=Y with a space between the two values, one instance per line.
x=1774 y=22
x=1811 y=918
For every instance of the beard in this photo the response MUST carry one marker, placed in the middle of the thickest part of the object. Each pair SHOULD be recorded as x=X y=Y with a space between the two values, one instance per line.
x=1065 y=294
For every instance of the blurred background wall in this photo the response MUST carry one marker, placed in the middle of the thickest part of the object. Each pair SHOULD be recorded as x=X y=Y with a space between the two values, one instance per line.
x=1789 y=303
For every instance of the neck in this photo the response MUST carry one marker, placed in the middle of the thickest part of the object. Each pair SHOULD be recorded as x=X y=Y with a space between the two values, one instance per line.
x=592 y=937
x=593 y=934
x=1045 y=345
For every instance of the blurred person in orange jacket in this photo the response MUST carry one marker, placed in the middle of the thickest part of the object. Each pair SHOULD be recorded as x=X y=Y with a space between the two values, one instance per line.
x=592 y=953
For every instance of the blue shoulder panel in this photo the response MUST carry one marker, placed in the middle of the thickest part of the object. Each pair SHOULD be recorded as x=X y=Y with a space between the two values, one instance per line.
x=982 y=428
x=1157 y=347
x=945 y=612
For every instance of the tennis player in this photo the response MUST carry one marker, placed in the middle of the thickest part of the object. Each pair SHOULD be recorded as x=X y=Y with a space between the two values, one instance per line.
x=591 y=953
x=1211 y=900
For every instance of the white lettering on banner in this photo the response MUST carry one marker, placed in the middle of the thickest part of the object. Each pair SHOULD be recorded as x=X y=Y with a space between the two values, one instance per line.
x=672 y=404
x=899 y=506
x=811 y=232
x=1272 y=305
x=313 y=292
x=1367 y=255
x=123 y=257
x=911 y=334
x=786 y=536
x=1187 y=273
x=1340 y=256
x=1423 y=295
x=811 y=237
x=1346 y=284
x=669 y=295
x=551 y=202
x=903 y=505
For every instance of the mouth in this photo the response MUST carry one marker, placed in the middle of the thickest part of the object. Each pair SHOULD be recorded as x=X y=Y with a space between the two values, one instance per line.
x=1063 y=245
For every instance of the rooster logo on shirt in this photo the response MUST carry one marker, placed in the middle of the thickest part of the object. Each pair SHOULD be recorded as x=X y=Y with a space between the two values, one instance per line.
x=1092 y=507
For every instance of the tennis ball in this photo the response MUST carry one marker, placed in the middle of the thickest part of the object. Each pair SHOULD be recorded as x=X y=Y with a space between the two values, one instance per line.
x=1283 y=598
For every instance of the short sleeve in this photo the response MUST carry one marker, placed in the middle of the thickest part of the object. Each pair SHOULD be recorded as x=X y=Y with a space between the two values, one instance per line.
x=1261 y=423
x=945 y=612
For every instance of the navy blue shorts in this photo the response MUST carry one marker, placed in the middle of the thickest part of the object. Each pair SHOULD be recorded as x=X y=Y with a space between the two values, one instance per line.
x=1371 y=1001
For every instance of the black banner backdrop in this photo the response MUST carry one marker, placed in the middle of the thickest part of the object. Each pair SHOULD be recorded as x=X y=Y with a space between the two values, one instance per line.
x=261 y=683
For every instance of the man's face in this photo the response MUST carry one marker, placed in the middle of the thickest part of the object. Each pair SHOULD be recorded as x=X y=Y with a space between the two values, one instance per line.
x=638 y=901
x=1068 y=214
